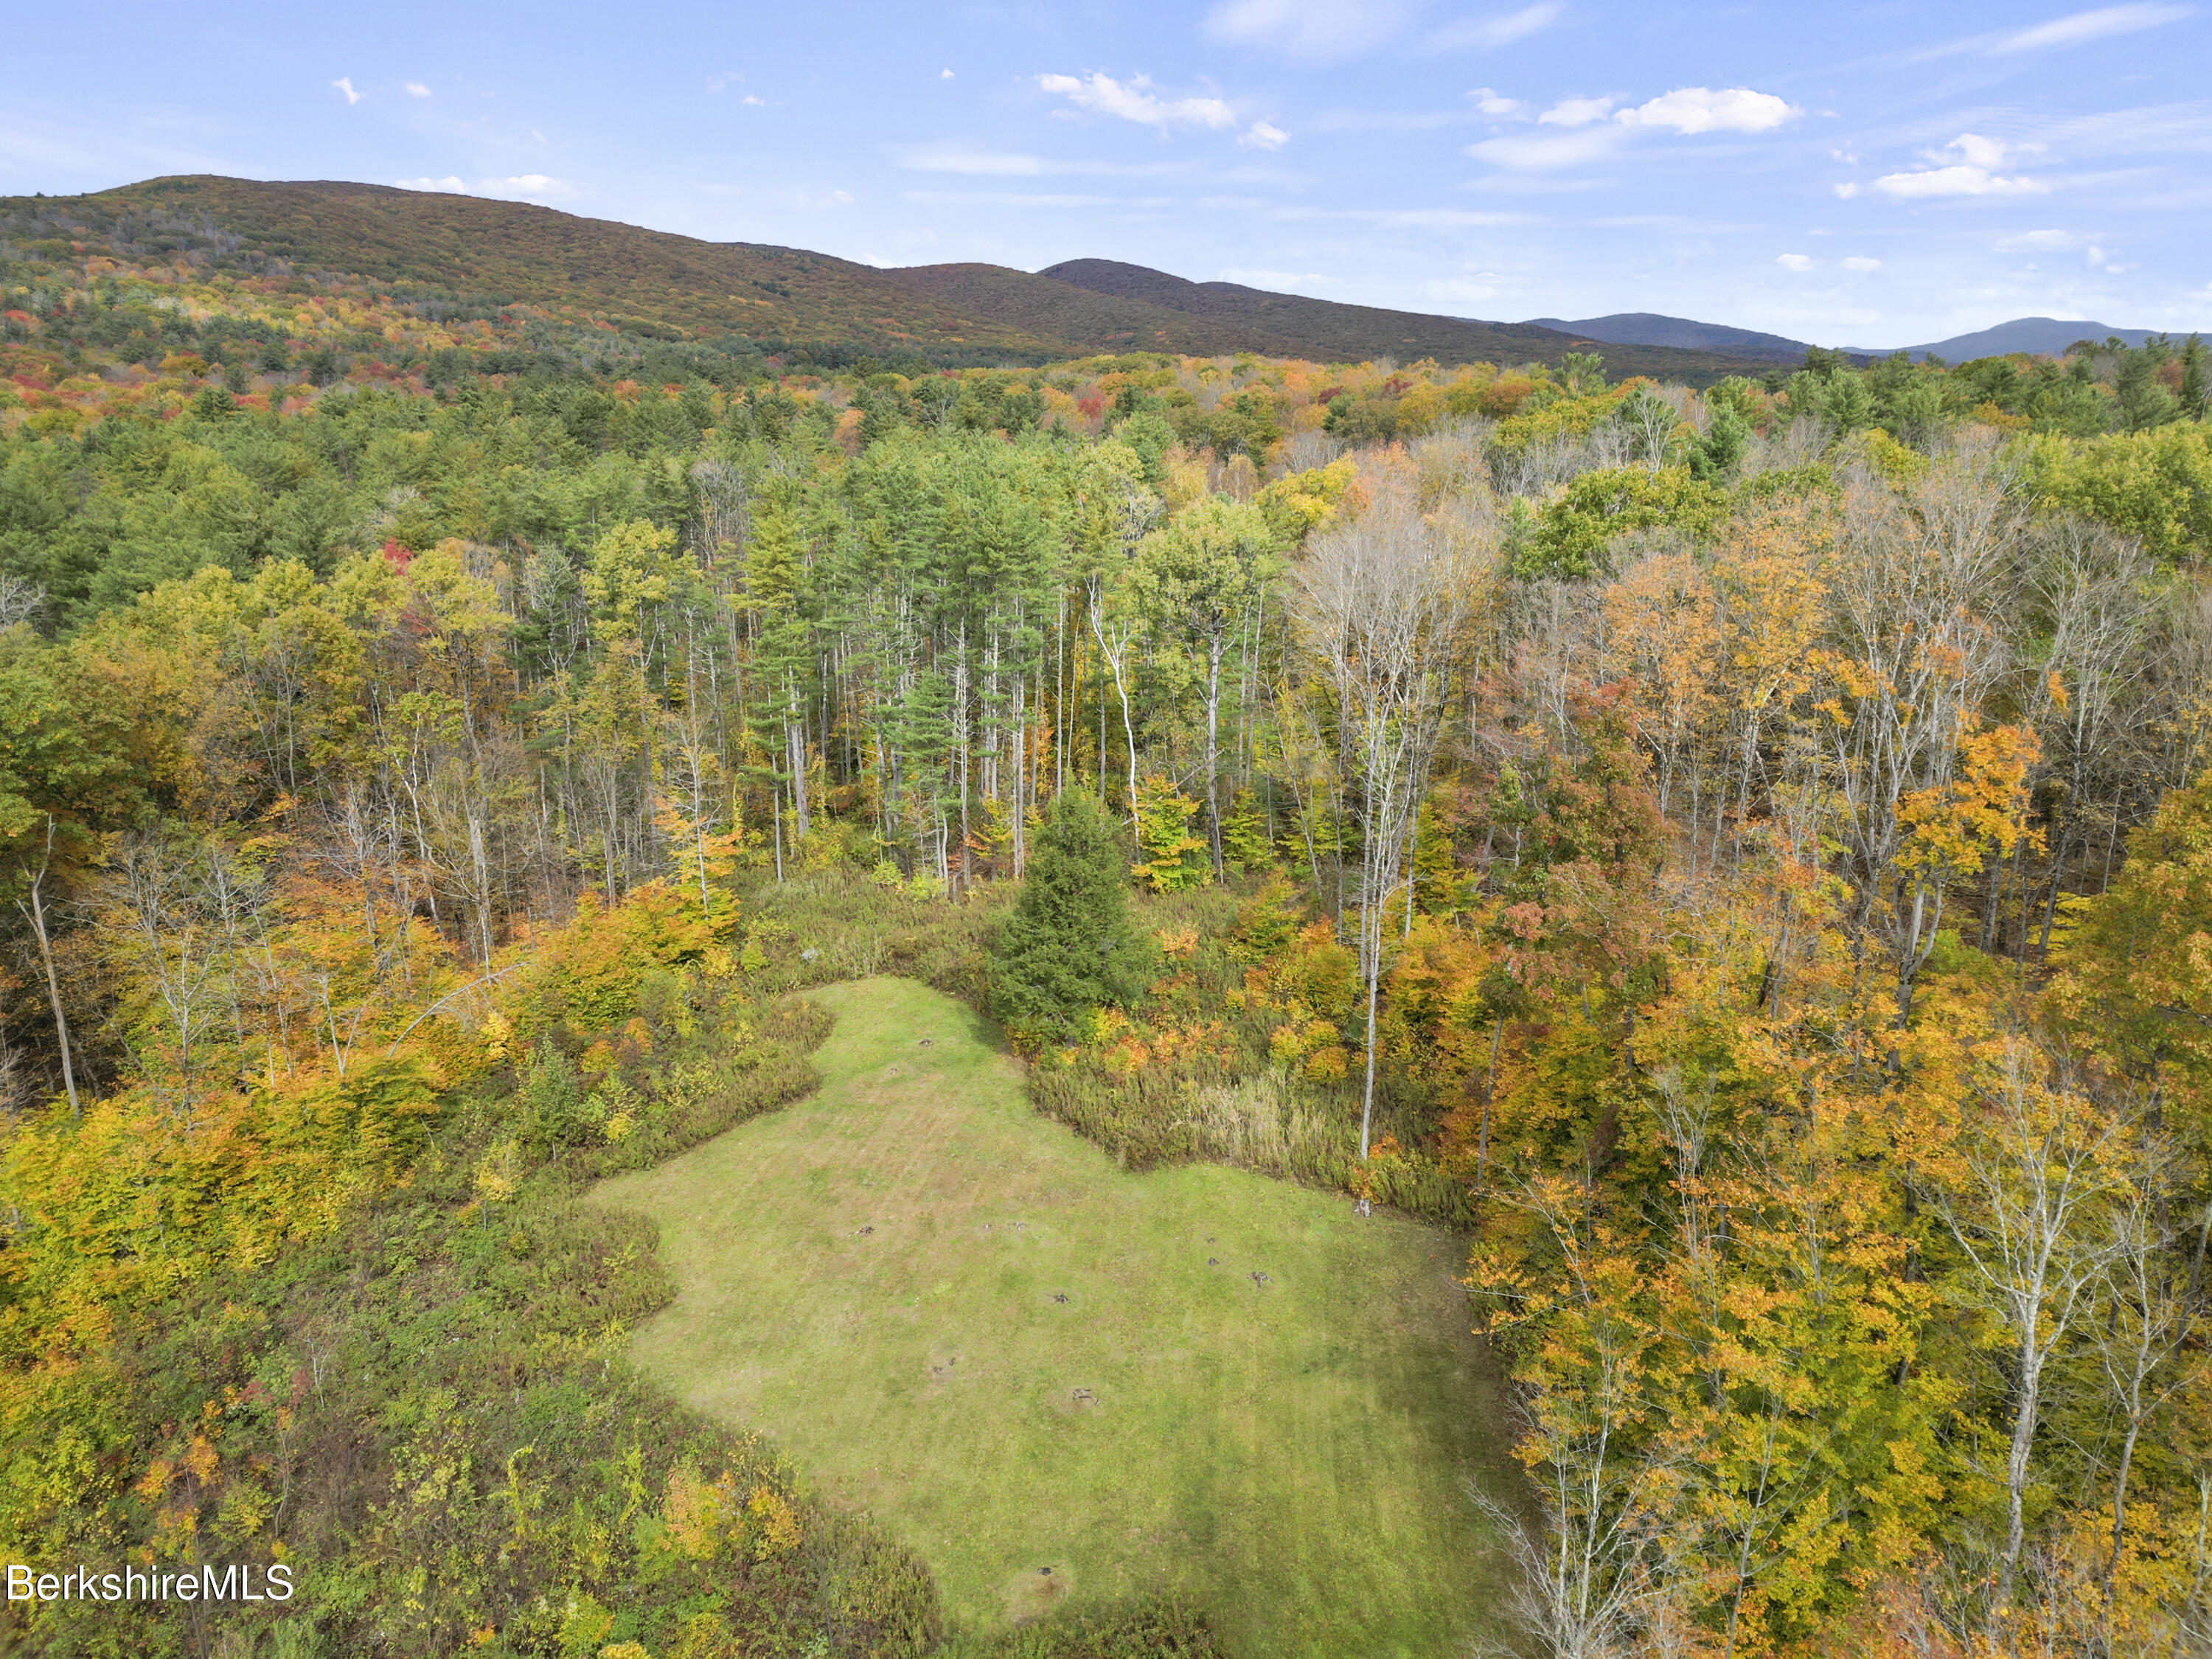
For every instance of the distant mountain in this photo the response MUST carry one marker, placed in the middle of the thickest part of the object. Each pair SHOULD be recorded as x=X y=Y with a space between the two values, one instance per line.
x=2045 y=336
x=1105 y=305
x=777 y=299
x=1649 y=328
x=785 y=300
x=1093 y=321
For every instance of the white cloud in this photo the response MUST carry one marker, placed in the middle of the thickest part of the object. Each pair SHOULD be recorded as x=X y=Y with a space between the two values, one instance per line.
x=1860 y=262
x=725 y=80
x=1532 y=153
x=533 y=186
x=530 y=183
x=1793 y=261
x=1699 y=109
x=1135 y=100
x=344 y=84
x=1263 y=135
x=1847 y=190
x=2084 y=26
x=1496 y=32
x=1575 y=112
x=416 y=90
x=539 y=135
x=1317 y=31
x=945 y=75
x=756 y=103
x=1496 y=106
x=1975 y=173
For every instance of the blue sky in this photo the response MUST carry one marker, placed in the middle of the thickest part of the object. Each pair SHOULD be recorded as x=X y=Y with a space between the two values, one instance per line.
x=1871 y=174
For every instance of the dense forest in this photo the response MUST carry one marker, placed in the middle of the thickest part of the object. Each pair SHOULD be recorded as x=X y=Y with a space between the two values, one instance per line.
x=1738 y=856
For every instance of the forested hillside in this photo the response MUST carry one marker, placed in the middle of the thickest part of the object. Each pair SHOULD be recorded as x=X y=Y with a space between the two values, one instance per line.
x=1104 y=304
x=618 y=287
x=1738 y=856
x=467 y=256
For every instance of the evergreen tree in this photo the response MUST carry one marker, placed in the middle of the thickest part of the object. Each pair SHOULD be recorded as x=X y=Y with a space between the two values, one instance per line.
x=1068 y=947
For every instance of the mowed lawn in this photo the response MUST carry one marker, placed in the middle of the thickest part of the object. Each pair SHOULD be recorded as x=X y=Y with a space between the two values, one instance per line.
x=965 y=1318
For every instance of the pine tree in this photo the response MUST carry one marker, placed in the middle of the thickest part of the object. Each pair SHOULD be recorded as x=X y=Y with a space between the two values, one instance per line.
x=1068 y=947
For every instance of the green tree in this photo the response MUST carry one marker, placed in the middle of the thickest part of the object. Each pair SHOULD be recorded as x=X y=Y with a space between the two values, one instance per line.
x=1068 y=947
x=2194 y=391
x=1573 y=530
x=1198 y=582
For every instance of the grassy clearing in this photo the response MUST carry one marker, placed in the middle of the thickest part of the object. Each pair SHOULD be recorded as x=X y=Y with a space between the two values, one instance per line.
x=1194 y=1381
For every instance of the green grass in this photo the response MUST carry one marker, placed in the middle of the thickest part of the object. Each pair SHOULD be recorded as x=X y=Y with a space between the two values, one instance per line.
x=873 y=1277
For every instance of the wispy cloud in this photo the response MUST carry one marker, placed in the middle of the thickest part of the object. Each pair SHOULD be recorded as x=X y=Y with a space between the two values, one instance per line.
x=1135 y=100
x=1861 y=262
x=1021 y=199
x=527 y=186
x=1496 y=105
x=2083 y=26
x=1538 y=153
x=2040 y=242
x=1576 y=111
x=416 y=90
x=1974 y=174
x=1496 y=32
x=1263 y=135
x=1793 y=261
x=344 y=84
x=1313 y=31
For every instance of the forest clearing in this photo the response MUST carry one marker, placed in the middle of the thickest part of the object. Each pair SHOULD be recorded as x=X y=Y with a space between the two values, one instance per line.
x=1054 y=1377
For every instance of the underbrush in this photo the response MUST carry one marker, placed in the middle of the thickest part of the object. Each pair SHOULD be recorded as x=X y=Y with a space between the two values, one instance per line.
x=431 y=1405
x=824 y=928
x=1200 y=1070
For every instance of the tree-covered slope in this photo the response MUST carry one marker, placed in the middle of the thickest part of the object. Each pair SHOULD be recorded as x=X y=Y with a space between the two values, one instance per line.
x=1330 y=331
x=1100 y=322
x=640 y=280
x=754 y=296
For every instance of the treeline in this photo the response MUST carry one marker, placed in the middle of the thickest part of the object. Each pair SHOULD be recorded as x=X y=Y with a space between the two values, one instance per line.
x=1735 y=853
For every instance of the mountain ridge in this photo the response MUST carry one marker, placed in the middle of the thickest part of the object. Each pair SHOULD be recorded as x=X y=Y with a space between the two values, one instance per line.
x=803 y=305
x=776 y=297
x=1111 y=305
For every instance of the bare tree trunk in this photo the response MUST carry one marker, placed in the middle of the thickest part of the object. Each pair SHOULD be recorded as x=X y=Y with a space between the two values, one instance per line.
x=36 y=912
